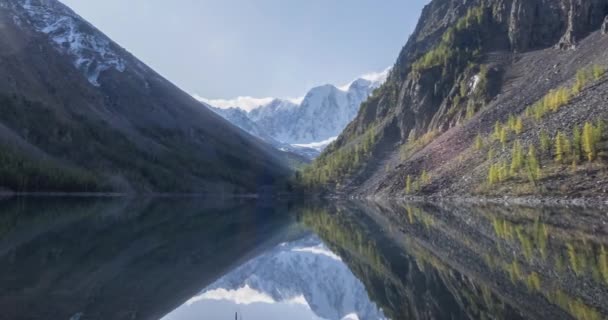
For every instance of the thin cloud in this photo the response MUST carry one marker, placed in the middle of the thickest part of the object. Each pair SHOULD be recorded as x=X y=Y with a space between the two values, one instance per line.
x=245 y=103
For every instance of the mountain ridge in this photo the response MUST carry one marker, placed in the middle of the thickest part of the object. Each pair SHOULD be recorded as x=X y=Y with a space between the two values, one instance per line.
x=73 y=124
x=417 y=135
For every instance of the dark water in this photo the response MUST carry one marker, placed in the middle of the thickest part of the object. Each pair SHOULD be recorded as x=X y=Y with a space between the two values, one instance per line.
x=183 y=259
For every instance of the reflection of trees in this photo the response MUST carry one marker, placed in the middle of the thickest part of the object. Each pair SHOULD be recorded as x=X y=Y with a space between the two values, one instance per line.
x=486 y=258
x=546 y=247
x=531 y=252
x=414 y=284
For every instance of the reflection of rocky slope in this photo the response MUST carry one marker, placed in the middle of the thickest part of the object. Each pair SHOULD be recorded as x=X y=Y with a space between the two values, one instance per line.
x=303 y=272
x=119 y=260
x=473 y=262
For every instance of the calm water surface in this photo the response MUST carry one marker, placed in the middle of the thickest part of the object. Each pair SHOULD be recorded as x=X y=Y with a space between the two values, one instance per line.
x=186 y=259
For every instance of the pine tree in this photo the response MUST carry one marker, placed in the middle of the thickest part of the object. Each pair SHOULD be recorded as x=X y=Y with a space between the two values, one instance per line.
x=478 y=142
x=425 y=178
x=503 y=136
x=519 y=126
x=517 y=156
x=599 y=130
x=416 y=186
x=491 y=154
x=532 y=165
x=598 y=72
x=493 y=174
x=559 y=147
x=581 y=80
x=589 y=141
x=545 y=142
x=470 y=109
x=511 y=122
x=503 y=172
x=497 y=130
x=577 y=144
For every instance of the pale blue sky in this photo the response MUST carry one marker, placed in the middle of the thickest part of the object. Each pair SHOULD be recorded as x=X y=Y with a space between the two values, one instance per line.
x=260 y=48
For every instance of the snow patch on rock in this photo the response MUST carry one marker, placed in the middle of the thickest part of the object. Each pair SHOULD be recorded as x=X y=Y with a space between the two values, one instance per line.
x=92 y=52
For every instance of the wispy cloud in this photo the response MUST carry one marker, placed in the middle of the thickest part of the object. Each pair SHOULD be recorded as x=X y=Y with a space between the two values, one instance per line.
x=377 y=76
x=372 y=76
x=245 y=103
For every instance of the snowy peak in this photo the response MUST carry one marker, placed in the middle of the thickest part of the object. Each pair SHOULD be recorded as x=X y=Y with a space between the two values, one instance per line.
x=273 y=107
x=92 y=53
x=315 y=121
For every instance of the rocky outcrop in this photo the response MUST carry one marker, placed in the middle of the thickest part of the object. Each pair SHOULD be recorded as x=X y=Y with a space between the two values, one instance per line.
x=583 y=16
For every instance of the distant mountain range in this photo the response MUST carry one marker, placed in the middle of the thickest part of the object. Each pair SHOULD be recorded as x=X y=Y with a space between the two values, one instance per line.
x=306 y=127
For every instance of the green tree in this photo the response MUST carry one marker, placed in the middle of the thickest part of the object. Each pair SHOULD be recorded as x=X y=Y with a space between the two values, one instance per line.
x=545 y=142
x=560 y=147
x=493 y=174
x=577 y=144
x=504 y=136
x=491 y=154
x=470 y=110
x=517 y=158
x=408 y=184
x=598 y=72
x=503 y=172
x=519 y=126
x=497 y=130
x=532 y=165
x=589 y=141
x=478 y=142
x=425 y=178
x=511 y=122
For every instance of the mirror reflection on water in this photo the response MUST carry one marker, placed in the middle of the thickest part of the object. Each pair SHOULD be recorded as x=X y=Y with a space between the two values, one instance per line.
x=182 y=259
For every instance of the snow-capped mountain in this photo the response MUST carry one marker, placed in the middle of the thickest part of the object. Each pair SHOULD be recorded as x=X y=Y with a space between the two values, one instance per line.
x=303 y=275
x=239 y=118
x=315 y=122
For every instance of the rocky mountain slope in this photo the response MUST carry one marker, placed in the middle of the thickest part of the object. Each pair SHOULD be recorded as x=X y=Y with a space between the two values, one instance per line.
x=323 y=113
x=79 y=113
x=486 y=98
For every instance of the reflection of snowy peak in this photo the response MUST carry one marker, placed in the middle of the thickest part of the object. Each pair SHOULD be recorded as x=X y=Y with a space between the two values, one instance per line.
x=302 y=272
x=92 y=53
